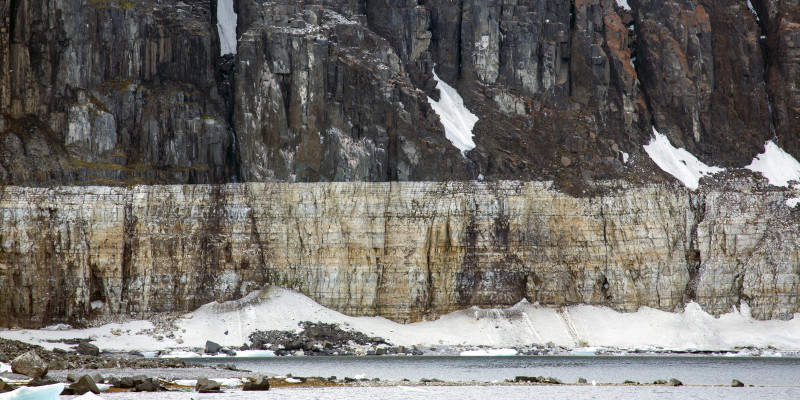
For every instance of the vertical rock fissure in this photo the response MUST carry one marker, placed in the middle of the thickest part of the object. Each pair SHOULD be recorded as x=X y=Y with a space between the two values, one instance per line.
x=266 y=273
x=429 y=243
x=697 y=206
x=128 y=227
x=758 y=8
x=14 y=8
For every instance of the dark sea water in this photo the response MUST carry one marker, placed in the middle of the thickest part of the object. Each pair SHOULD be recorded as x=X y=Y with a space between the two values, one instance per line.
x=691 y=370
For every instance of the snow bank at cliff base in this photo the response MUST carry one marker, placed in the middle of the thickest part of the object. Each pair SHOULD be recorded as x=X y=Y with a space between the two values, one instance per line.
x=525 y=324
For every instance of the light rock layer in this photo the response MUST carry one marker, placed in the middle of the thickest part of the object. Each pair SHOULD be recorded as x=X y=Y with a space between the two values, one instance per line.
x=406 y=251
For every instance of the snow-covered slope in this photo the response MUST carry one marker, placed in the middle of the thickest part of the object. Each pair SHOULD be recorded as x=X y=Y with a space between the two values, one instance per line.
x=458 y=121
x=226 y=26
x=778 y=166
x=275 y=308
x=678 y=162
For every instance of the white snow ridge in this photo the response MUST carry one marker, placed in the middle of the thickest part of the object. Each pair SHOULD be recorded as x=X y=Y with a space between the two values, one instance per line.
x=458 y=121
x=678 y=162
x=226 y=26
x=778 y=166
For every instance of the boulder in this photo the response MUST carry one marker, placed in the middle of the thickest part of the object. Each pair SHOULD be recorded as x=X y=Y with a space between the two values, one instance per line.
x=83 y=385
x=29 y=364
x=582 y=380
x=35 y=382
x=125 y=382
x=737 y=383
x=531 y=379
x=211 y=347
x=205 y=385
x=262 y=383
x=88 y=349
x=674 y=382
x=146 y=385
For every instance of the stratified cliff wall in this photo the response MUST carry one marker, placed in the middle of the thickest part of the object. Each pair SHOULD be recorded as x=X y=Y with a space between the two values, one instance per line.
x=406 y=251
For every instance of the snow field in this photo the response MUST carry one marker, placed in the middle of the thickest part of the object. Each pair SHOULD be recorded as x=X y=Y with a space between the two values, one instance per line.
x=458 y=121
x=678 y=162
x=525 y=324
x=778 y=166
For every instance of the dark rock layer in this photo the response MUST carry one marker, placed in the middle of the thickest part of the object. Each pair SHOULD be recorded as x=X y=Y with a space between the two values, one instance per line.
x=119 y=92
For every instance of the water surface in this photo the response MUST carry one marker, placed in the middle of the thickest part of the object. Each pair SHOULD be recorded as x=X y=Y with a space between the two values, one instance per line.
x=691 y=370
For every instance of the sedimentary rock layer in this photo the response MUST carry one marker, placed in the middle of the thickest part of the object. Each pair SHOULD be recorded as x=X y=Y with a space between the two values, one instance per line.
x=406 y=251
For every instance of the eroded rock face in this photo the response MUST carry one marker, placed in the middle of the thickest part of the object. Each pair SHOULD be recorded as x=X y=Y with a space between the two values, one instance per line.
x=111 y=92
x=401 y=250
x=128 y=92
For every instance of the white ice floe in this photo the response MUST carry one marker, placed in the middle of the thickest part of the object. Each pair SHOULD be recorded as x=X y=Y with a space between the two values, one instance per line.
x=255 y=353
x=489 y=352
x=181 y=354
x=585 y=351
x=47 y=392
x=293 y=380
x=678 y=162
x=778 y=166
x=524 y=324
x=458 y=121
x=227 y=382
x=624 y=4
x=226 y=27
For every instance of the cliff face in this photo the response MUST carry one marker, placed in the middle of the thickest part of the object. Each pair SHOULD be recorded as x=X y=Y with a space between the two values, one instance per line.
x=406 y=251
x=115 y=93
x=120 y=92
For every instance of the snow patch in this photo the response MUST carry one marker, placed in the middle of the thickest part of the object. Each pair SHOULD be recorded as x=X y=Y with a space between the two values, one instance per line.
x=576 y=327
x=625 y=157
x=96 y=304
x=226 y=27
x=489 y=352
x=458 y=121
x=47 y=392
x=624 y=4
x=88 y=396
x=4 y=367
x=753 y=10
x=793 y=202
x=778 y=166
x=678 y=162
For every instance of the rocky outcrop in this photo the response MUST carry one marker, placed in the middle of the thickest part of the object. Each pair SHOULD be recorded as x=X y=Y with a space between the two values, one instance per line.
x=402 y=250
x=336 y=90
x=111 y=92
x=780 y=23
x=318 y=97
